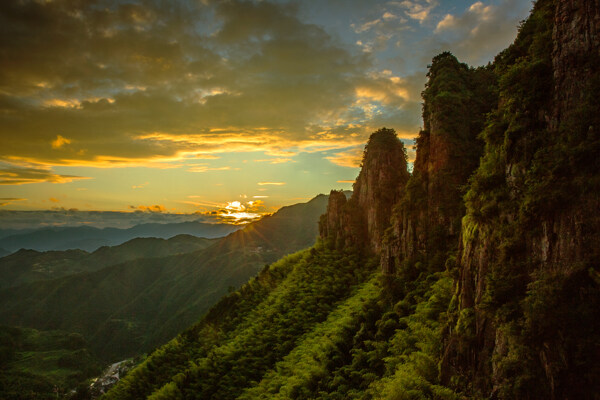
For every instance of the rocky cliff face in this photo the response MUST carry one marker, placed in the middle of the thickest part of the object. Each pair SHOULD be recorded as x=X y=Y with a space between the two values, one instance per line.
x=426 y=222
x=362 y=220
x=576 y=36
x=532 y=226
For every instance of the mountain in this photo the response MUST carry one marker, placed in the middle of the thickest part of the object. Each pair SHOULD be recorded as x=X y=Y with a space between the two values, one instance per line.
x=26 y=266
x=9 y=232
x=4 y=252
x=89 y=238
x=126 y=309
x=483 y=281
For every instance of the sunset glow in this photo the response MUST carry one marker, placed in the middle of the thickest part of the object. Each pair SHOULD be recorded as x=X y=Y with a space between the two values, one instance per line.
x=137 y=106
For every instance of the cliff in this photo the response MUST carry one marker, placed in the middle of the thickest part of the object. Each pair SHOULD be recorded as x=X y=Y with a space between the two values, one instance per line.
x=527 y=293
x=504 y=197
x=362 y=220
x=426 y=221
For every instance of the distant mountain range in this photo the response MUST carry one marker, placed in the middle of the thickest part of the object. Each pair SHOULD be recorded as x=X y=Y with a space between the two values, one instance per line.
x=128 y=308
x=89 y=238
x=27 y=266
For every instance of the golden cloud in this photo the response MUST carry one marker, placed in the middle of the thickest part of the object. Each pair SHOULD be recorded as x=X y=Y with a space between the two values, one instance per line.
x=19 y=174
x=271 y=183
x=4 y=201
x=235 y=212
x=206 y=168
x=351 y=158
x=157 y=208
x=59 y=142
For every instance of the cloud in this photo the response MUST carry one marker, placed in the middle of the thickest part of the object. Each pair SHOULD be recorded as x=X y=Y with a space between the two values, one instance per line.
x=481 y=30
x=367 y=25
x=351 y=158
x=207 y=157
x=12 y=219
x=275 y=160
x=418 y=10
x=385 y=89
x=271 y=183
x=260 y=197
x=4 y=201
x=346 y=181
x=206 y=168
x=140 y=186
x=54 y=200
x=157 y=208
x=19 y=174
x=161 y=82
x=59 y=142
x=237 y=212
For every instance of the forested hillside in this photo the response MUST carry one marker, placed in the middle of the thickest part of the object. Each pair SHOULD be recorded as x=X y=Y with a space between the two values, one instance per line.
x=40 y=365
x=128 y=308
x=477 y=276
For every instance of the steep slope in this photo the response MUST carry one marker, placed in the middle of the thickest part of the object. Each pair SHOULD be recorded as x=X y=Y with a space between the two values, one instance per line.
x=27 y=266
x=89 y=238
x=128 y=308
x=249 y=331
x=322 y=323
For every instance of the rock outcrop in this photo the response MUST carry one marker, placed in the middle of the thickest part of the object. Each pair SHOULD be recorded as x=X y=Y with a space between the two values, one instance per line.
x=426 y=222
x=362 y=220
x=576 y=37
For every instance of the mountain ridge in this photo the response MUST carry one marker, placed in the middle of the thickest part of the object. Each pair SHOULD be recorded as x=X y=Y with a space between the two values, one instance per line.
x=27 y=266
x=90 y=238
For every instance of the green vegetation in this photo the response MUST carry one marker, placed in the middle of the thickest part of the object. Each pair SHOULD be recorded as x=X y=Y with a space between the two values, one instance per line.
x=130 y=308
x=42 y=364
x=531 y=185
x=494 y=289
x=319 y=324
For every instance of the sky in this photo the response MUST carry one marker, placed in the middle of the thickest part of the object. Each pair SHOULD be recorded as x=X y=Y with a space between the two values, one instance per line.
x=216 y=108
